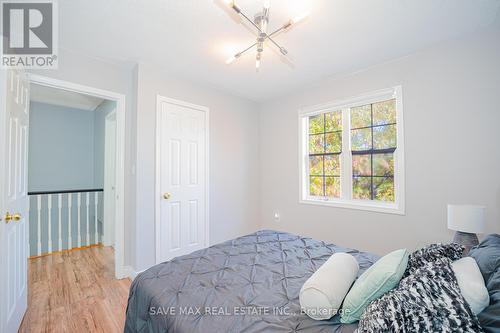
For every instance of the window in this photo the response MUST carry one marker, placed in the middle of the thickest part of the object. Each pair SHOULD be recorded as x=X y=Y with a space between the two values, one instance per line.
x=325 y=147
x=352 y=153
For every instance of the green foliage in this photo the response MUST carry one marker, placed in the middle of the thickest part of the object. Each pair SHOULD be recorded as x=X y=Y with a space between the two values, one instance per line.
x=384 y=137
x=332 y=165
x=317 y=124
x=361 y=165
x=316 y=165
x=332 y=187
x=384 y=112
x=316 y=144
x=316 y=186
x=333 y=142
x=383 y=189
x=361 y=139
x=383 y=180
x=361 y=116
x=333 y=121
x=325 y=137
x=383 y=164
x=361 y=188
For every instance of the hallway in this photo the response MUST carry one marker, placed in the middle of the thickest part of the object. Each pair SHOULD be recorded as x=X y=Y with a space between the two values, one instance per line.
x=75 y=291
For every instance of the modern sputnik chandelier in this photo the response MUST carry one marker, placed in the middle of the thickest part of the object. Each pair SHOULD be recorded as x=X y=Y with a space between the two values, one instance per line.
x=261 y=22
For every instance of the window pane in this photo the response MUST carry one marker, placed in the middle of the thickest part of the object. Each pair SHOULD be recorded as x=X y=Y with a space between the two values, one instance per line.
x=361 y=165
x=333 y=121
x=361 y=139
x=361 y=116
x=361 y=187
x=316 y=144
x=332 y=165
x=333 y=142
x=384 y=137
x=316 y=124
x=333 y=187
x=383 y=164
x=384 y=112
x=316 y=186
x=316 y=165
x=383 y=189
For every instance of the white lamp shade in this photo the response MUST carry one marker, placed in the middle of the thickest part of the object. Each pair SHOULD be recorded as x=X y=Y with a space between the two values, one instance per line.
x=466 y=218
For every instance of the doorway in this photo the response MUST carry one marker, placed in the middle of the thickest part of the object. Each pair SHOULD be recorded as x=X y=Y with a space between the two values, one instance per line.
x=120 y=270
x=15 y=201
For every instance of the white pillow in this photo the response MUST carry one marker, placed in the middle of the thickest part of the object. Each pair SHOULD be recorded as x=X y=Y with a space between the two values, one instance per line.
x=471 y=283
x=322 y=294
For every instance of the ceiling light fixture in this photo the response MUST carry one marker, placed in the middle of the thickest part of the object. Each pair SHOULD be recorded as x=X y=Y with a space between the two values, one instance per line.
x=261 y=22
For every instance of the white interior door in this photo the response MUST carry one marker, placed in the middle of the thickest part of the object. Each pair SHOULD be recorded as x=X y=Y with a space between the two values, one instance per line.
x=181 y=183
x=109 y=180
x=14 y=99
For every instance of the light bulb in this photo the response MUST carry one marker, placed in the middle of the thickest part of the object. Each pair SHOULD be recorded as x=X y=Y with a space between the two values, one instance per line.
x=299 y=18
x=257 y=64
x=233 y=58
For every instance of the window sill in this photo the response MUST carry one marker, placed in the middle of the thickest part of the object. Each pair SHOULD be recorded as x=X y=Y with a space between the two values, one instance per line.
x=378 y=207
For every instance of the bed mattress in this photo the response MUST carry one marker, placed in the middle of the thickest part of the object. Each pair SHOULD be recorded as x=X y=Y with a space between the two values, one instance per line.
x=249 y=284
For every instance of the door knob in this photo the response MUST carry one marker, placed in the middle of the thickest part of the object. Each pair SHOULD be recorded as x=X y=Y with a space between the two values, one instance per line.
x=166 y=196
x=12 y=217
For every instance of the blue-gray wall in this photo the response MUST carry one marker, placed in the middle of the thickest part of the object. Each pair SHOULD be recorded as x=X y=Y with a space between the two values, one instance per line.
x=61 y=148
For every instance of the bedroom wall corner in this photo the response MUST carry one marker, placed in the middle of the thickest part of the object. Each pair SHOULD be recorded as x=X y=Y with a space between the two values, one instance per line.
x=450 y=96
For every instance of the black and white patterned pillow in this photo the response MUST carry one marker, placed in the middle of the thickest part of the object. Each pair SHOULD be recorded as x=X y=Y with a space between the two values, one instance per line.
x=427 y=299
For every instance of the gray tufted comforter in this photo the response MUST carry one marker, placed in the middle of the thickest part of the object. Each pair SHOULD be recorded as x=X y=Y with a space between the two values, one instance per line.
x=249 y=284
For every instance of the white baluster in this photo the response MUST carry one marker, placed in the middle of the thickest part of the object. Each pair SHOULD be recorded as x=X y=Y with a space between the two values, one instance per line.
x=79 y=204
x=49 y=224
x=96 y=202
x=39 y=219
x=70 y=242
x=88 y=218
x=59 y=208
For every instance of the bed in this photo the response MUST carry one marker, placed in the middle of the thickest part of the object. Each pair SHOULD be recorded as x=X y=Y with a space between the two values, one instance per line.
x=249 y=284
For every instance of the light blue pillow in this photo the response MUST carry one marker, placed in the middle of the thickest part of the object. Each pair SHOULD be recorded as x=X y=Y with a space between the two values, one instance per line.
x=381 y=277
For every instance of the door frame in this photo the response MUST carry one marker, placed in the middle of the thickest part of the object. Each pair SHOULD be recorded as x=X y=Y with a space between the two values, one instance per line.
x=121 y=271
x=206 y=111
x=111 y=117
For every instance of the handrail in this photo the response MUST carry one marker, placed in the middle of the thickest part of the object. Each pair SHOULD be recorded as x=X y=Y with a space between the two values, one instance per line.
x=66 y=191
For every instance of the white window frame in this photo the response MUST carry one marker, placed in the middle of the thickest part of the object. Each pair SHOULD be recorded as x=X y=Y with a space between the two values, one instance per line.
x=345 y=201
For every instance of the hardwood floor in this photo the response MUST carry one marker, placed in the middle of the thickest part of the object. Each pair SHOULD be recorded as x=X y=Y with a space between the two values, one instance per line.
x=75 y=292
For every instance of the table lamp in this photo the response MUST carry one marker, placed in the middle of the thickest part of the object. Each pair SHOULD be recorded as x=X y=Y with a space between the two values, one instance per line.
x=467 y=221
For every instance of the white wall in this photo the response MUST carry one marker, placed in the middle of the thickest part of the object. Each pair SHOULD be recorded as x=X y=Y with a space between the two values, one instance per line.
x=61 y=148
x=234 y=159
x=451 y=96
x=100 y=114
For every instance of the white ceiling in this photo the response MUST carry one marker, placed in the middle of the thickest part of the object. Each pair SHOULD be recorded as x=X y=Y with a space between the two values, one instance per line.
x=193 y=38
x=47 y=95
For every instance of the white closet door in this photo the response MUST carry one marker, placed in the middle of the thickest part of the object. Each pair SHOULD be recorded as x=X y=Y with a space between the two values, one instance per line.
x=182 y=220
